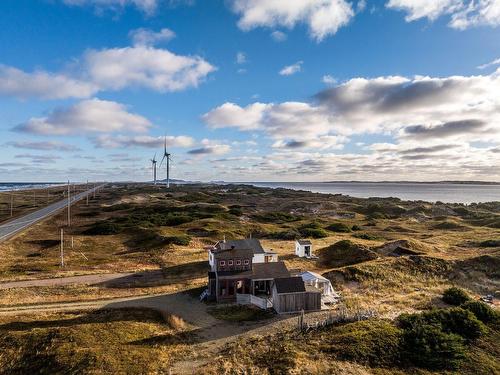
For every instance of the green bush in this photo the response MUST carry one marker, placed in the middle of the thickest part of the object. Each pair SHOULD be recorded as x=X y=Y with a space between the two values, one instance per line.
x=313 y=232
x=482 y=311
x=177 y=240
x=455 y=296
x=103 y=228
x=427 y=346
x=355 y=228
x=286 y=235
x=455 y=320
x=490 y=243
x=236 y=210
x=365 y=236
x=374 y=342
x=338 y=227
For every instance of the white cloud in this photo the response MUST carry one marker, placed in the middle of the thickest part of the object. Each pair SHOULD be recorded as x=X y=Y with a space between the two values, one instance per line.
x=44 y=85
x=232 y=115
x=323 y=17
x=278 y=36
x=463 y=13
x=87 y=116
x=329 y=80
x=241 y=58
x=45 y=146
x=147 y=37
x=146 y=6
x=143 y=66
x=490 y=64
x=110 y=69
x=210 y=147
x=145 y=141
x=464 y=109
x=291 y=69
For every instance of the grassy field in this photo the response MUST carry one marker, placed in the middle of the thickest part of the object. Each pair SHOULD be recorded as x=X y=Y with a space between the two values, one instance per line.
x=96 y=342
x=132 y=228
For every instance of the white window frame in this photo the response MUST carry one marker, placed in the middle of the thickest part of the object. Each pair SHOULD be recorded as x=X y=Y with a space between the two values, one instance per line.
x=230 y=262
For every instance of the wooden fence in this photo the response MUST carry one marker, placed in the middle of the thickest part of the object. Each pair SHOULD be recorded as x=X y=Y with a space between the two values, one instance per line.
x=342 y=315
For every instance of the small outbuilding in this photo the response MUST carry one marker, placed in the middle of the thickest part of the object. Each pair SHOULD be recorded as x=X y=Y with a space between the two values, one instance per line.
x=290 y=295
x=328 y=294
x=303 y=249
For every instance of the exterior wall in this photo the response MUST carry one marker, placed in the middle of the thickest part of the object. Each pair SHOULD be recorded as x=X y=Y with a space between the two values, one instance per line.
x=295 y=302
x=261 y=258
x=233 y=264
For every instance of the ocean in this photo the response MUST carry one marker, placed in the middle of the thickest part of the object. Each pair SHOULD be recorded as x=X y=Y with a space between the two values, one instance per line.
x=8 y=186
x=429 y=192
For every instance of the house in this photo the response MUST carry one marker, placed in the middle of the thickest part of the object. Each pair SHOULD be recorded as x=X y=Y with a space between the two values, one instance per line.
x=290 y=295
x=303 y=248
x=243 y=271
x=242 y=267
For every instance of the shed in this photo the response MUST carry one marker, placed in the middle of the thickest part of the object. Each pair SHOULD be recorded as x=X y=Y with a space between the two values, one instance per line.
x=303 y=248
x=321 y=283
x=290 y=295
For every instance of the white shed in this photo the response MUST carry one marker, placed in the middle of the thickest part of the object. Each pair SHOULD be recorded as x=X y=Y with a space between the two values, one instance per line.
x=303 y=248
x=328 y=295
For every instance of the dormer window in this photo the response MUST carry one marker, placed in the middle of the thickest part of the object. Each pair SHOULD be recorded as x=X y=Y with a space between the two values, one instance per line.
x=229 y=262
x=238 y=262
x=222 y=263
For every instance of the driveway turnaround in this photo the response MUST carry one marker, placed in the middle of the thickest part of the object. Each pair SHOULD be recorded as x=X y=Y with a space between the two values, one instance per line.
x=12 y=227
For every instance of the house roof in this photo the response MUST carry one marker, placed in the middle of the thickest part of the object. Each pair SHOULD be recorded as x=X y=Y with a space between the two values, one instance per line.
x=304 y=242
x=260 y=271
x=234 y=253
x=289 y=285
x=247 y=243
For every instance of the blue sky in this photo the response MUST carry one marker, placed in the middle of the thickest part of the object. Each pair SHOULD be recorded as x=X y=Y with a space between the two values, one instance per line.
x=250 y=90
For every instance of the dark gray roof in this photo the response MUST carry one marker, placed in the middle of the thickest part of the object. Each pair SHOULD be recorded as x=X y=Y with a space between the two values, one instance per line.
x=260 y=271
x=290 y=285
x=247 y=243
x=234 y=253
x=304 y=242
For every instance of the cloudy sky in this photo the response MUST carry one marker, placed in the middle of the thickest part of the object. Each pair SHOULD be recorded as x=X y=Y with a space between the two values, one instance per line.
x=250 y=90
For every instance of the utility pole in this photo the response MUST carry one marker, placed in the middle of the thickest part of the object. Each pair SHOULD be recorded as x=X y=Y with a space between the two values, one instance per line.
x=94 y=190
x=87 y=189
x=69 y=204
x=34 y=197
x=62 y=248
x=11 y=204
x=48 y=195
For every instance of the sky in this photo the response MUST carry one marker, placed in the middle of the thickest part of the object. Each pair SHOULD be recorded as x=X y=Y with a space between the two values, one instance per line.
x=250 y=90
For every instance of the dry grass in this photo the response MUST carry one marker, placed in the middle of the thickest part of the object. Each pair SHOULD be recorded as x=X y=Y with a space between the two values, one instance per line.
x=98 y=342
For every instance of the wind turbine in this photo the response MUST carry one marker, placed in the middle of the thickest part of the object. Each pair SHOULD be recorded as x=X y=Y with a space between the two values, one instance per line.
x=167 y=156
x=153 y=163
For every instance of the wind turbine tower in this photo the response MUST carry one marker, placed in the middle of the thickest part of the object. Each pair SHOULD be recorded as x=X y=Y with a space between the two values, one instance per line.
x=153 y=163
x=167 y=156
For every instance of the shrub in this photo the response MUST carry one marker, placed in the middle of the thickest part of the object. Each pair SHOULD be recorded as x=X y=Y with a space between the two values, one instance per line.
x=345 y=252
x=235 y=210
x=365 y=236
x=455 y=296
x=287 y=235
x=490 y=243
x=426 y=345
x=374 y=342
x=455 y=320
x=103 y=228
x=355 y=228
x=177 y=240
x=276 y=217
x=482 y=311
x=313 y=232
x=338 y=227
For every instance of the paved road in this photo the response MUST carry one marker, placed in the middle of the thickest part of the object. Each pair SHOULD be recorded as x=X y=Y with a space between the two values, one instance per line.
x=12 y=227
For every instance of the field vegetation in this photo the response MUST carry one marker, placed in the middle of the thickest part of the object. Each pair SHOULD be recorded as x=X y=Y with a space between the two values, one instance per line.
x=391 y=256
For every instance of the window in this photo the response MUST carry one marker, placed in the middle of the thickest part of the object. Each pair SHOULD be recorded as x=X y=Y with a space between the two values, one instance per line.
x=229 y=262
x=222 y=263
x=238 y=262
x=246 y=262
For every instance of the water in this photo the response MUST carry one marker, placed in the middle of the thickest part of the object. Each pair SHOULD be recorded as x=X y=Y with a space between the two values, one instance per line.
x=8 y=186
x=430 y=192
